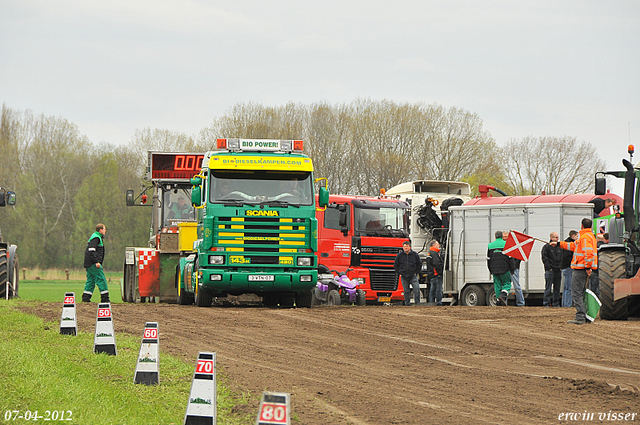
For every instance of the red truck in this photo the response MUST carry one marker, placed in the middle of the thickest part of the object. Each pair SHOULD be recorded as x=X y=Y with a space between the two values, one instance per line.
x=363 y=235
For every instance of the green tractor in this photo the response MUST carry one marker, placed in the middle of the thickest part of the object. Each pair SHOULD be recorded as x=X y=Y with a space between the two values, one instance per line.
x=619 y=260
x=8 y=257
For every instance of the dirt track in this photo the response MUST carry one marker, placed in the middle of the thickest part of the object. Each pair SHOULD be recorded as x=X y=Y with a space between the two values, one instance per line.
x=406 y=365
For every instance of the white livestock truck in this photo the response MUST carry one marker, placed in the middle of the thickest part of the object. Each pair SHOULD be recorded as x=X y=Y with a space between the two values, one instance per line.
x=466 y=278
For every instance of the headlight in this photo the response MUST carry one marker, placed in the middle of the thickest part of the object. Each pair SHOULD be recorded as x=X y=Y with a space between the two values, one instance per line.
x=305 y=278
x=214 y=277
x=360 y=280
x=216 y=259
x=304 y=261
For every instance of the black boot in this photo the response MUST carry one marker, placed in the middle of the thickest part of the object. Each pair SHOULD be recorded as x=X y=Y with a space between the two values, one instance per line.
x=104 y=298
x=86 y=298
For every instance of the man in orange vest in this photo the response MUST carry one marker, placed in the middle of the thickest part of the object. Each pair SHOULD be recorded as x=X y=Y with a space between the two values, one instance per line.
x=584 y=262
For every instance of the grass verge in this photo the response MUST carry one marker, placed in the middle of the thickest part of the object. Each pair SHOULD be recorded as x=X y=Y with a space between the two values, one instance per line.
x=45 y=371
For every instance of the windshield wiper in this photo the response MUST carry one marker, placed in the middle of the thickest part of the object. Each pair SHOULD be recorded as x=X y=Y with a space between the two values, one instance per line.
x=236 y=202
x=279 y=203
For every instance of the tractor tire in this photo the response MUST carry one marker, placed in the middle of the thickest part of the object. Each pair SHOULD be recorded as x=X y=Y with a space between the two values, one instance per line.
x=473 y=296
x=184 y=297
x=14 y=279
x=361 y=297
x=4 y=275
x=612 y=266
x=333 y=298
x=304 y=299
x=315 y=300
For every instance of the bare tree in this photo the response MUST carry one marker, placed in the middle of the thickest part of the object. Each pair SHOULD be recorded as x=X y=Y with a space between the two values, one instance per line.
x=552 y=165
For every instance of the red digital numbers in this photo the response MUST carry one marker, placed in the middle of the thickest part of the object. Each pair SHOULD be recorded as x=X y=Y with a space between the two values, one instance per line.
x=69 y=300
x=204 y=366
x=187 y=162
x=274 y=413
x=150 y=333
x=104 y=312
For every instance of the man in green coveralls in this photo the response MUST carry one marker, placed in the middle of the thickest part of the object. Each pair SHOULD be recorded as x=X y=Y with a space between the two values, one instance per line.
x=93 y=258
x=500 y=267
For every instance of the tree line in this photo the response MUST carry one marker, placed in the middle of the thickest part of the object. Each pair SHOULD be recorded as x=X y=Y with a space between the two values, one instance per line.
x=66 y=184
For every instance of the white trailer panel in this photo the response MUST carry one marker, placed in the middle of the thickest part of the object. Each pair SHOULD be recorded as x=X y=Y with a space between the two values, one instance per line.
x=472 y=228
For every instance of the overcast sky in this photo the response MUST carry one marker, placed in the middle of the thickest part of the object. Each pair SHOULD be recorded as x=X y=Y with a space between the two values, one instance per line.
x=527 y=68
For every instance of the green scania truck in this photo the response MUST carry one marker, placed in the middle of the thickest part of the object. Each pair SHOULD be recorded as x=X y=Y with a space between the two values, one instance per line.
x=256 y=226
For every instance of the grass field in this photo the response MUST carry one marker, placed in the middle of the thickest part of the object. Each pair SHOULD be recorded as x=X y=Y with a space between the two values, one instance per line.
x=53 y=290
x=45 y=371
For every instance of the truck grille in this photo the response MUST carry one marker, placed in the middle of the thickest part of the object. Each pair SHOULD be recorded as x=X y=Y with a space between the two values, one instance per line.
x=378 y=256
x=383 y=279
x=259 y=240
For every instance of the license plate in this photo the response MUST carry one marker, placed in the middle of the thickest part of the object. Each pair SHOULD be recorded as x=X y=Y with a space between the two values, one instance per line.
x=384 y=299
x=261 y=278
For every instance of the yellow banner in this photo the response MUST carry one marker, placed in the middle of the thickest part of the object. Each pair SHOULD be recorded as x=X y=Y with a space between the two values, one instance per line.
x=254 y=162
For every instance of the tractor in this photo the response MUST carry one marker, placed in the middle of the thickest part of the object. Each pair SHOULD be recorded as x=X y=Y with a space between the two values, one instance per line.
x=619 y=260
x=8 y=257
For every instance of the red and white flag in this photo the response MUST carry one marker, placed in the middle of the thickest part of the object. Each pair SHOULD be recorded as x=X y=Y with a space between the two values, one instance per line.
x=518 y=245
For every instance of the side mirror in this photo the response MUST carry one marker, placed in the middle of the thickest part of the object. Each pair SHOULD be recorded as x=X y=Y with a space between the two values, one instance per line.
x=196 y=195
x=129 y=198
x=323 y=197
x=601 y=186
x=342 y=219
x=195 y=181
x=11 y=198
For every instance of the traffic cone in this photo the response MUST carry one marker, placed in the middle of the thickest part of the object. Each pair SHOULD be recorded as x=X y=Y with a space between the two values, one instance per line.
x=201 y=408
x=105 y=341
x=147 y=367
x=68 y=322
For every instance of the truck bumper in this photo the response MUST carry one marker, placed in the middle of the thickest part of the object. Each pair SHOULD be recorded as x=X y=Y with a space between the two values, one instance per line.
x=221 y=281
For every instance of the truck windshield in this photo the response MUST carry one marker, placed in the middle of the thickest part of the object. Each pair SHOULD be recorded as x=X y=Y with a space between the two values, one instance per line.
x=389 y=222
x=261 y=187
x=176 y=206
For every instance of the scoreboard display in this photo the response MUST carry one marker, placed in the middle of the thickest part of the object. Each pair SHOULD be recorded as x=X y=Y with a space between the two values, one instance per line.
x=174 y=166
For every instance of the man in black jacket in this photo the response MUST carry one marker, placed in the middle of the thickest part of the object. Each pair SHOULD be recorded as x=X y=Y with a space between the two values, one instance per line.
x=408 y=265
x=93 y=258
x=552 y=261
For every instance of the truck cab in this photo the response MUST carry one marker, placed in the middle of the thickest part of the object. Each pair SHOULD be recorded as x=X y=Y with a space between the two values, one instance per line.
x=363 y=235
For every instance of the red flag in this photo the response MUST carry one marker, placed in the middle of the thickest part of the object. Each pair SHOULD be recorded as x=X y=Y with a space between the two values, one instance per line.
x=518 y=245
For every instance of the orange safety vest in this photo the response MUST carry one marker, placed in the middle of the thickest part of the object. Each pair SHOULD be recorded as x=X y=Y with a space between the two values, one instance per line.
x=585 y=250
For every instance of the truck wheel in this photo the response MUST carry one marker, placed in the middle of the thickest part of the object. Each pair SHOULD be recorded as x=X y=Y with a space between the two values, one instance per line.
x=333 y=297
x=304 y=299
x=184 y=297
x=202 y=298
x=473 y=295
x=361 y=297
x=490 y=298
x=612 y=265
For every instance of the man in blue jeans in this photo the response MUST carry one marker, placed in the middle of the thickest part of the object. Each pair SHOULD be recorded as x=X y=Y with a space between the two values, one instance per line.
x=408 y=265
x=565 y=264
